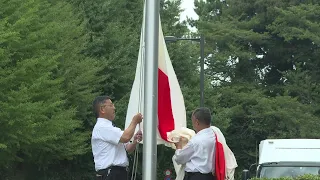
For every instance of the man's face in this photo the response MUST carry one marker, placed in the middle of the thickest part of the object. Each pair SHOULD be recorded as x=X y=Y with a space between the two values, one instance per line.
x=108 y=110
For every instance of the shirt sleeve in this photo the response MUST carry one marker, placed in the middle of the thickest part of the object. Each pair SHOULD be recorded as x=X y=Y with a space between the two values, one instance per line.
x=125 y=145
x=184 y=155
x=111 y=134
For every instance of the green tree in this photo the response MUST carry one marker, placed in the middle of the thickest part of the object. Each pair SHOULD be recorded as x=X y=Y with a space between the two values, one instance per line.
x=114 y=29
x=265 y=56
x=44 y=82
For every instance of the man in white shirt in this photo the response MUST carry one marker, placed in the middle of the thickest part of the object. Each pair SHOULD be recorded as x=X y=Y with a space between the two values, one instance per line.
x=198 y=153
x=110 y=144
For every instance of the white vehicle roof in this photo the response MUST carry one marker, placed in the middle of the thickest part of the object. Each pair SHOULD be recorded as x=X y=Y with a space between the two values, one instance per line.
x=289 y=150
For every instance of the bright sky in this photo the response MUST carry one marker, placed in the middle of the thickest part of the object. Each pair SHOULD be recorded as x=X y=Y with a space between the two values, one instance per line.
x=188 y=6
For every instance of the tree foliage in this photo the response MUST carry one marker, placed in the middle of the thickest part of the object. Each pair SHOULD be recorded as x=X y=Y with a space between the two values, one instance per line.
x=264 y=56
x=262 y=76
x=44 y=85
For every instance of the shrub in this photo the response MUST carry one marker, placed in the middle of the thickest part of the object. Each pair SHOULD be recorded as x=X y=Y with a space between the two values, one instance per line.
x=304 y=177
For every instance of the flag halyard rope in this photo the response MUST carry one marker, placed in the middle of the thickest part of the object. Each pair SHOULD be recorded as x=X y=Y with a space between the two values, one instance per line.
x=136 y=153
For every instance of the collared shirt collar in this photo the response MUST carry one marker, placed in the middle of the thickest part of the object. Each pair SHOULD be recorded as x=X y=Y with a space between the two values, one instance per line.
x=105 y=121
x=204 y=131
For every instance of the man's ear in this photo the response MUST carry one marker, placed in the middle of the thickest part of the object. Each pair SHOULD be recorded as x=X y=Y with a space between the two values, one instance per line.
x=101 y=110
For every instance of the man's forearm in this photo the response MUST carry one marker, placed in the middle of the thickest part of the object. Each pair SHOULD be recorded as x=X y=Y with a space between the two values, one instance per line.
x=128 y=133
x=130 y=147
x=183 y=155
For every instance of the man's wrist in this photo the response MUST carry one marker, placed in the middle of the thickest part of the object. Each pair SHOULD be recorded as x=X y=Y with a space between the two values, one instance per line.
x=134 y=122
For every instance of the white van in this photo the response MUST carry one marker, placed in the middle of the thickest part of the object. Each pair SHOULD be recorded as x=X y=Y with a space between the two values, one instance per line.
x=287 y=158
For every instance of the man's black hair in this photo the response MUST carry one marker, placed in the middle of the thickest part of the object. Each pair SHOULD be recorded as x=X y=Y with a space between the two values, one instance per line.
x=98 y=101
x=203 y=114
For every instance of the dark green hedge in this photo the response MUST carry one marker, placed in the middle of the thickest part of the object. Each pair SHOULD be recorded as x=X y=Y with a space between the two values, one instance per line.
x=305 y=177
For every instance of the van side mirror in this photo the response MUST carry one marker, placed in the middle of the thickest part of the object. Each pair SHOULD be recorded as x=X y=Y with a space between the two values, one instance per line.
x=245 y=174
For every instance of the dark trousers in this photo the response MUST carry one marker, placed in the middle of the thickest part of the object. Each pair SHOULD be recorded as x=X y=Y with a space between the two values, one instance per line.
x=112 y=173
x=198 y=176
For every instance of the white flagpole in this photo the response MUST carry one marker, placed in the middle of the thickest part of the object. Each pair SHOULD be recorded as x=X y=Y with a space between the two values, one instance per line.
x=151 y=90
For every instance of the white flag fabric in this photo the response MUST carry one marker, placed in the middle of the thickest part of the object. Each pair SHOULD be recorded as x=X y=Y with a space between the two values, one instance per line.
x=171 y=107
x=225 y=154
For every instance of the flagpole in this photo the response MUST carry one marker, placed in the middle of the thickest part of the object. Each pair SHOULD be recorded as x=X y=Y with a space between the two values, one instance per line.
x=151 y=90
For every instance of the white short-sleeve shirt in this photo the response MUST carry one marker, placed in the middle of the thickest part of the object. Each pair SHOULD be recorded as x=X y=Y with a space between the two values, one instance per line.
x=106 y=148
x=198 y=154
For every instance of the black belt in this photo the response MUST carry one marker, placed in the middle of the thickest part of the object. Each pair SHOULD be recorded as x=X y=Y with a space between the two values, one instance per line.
x=189 y=174
x=117 y=168
x=198 y=173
